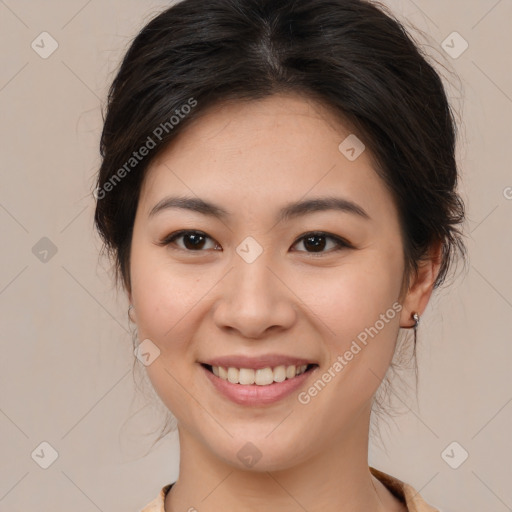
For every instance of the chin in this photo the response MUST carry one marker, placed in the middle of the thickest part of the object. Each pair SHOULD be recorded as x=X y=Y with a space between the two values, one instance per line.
x=259 y=453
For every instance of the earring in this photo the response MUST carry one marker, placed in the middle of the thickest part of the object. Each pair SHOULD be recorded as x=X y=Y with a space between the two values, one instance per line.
x=416 y=319
x=130 y=307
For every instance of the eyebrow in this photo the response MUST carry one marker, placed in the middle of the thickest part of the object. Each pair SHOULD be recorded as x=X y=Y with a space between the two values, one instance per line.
x=289 y=211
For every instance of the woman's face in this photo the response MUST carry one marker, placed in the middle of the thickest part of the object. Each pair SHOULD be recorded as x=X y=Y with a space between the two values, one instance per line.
x=256 y=285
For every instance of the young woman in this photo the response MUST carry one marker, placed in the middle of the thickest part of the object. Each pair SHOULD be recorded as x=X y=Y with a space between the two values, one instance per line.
x=278 y=195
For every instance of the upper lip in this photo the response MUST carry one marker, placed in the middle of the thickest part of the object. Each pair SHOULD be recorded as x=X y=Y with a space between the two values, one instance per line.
x=263 y=361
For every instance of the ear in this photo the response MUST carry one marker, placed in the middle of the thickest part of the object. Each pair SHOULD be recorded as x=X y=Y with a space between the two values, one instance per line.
x=421 y=286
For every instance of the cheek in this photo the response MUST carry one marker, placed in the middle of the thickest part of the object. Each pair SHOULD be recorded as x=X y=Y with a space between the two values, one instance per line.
x=163 y=294
x=360 y=308
x=168 y=300
x=358 y=305
x=352 y=296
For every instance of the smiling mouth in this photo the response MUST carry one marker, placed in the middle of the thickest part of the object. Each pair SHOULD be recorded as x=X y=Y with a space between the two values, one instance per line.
x=261 y=376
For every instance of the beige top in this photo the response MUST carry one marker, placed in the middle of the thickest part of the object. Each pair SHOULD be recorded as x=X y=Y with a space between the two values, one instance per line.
x=401 y=490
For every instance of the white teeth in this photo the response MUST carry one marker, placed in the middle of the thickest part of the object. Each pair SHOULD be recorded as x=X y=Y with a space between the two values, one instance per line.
x=261 y=376
x=233 y=375
x=264 y=376
x=301 y=369
x=290 y=372
x=279 y=373
x=223 y=373
x=246 y=376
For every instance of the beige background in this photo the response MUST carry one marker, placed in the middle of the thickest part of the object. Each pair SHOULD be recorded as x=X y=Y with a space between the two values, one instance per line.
x=66 y=345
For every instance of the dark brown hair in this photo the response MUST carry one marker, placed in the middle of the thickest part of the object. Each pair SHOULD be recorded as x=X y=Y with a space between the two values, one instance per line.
x=351 y=55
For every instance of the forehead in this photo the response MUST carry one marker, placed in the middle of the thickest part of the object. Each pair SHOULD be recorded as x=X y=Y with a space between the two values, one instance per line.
x=276 y=149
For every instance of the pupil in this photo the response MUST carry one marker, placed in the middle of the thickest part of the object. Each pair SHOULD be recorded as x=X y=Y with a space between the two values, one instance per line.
x=316 y=246
x=195 y=244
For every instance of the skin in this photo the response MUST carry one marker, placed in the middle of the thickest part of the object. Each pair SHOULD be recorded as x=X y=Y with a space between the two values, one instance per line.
x=251 y=159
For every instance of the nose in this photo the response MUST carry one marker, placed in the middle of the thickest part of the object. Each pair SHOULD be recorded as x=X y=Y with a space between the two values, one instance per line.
x=254 y=300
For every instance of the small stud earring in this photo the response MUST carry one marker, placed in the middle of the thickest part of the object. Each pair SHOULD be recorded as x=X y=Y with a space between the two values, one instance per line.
x=416 y=319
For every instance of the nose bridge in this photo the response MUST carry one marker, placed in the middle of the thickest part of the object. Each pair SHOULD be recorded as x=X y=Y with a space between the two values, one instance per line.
x=252 y=280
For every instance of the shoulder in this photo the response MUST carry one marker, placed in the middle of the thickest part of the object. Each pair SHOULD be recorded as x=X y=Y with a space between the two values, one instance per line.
x=157 y=505
x=403 y=491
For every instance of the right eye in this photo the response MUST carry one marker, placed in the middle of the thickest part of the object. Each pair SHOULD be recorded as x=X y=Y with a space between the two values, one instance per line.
x=193 y=241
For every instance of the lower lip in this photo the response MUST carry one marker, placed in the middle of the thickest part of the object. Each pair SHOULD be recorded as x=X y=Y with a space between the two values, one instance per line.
x=252 y=394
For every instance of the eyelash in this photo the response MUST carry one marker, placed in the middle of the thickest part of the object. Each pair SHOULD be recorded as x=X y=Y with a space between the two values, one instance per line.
x=340 y=242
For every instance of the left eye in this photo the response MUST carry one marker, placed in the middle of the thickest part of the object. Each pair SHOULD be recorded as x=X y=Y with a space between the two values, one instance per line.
x=195 y=241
